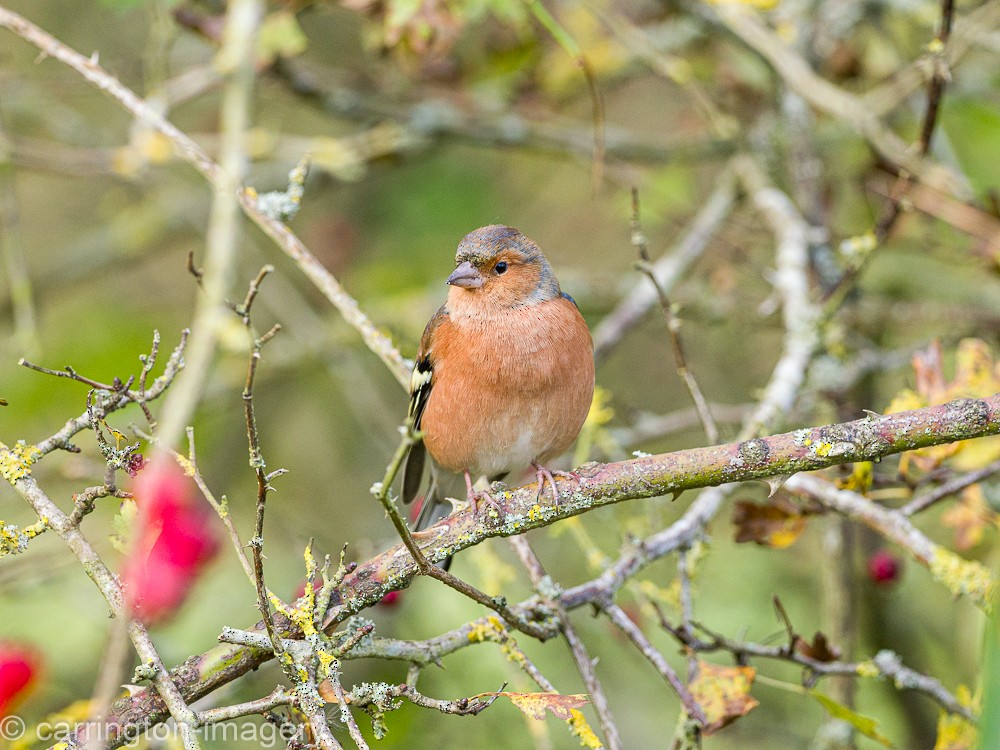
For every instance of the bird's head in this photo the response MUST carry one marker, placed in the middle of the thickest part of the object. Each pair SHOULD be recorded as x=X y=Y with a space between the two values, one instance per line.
x=497 y=266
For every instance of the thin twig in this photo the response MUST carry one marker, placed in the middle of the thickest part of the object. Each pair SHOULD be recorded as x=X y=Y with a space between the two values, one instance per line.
x=259 y=467
x=624 y=623
x=885 y=663
x=935 y=90
x=362 y=697
x=673 y=327
x=278 y=697
x=584 y=664
x=345 y=711
x=381 y=491
x=926 y=500
x=669 y=268
x=235 y=59
x=190 y=464
x=192 y=153
x=569 y=44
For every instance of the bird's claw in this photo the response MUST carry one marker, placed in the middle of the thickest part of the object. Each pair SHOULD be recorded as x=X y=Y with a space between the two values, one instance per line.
x=484 y=498
x=543 y=475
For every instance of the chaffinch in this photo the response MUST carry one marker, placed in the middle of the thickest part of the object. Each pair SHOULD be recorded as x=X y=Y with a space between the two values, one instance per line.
x=504 y=375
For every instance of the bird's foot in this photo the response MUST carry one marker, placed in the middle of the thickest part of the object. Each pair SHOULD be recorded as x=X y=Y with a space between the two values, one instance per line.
x=485 y=498
x=543 y=475
x=481 y=496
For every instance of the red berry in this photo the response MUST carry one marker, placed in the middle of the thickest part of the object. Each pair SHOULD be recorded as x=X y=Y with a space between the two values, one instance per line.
x=391 y=599
x=883 y=568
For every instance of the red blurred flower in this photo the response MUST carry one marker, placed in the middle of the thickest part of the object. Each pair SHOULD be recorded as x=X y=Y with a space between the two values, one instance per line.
x=19 y=666
x=174 y=540
x=884 y=567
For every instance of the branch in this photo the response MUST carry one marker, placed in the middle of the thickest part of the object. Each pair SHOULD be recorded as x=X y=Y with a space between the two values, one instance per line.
x=235 y=59
x=924 y=501
x=883 y=664
x=584 y=663
x=668 y=269
x=431 y=119
x=193 y=154
x=807 y=449
x=624 y=623
x=961 y=577
x=828 y=98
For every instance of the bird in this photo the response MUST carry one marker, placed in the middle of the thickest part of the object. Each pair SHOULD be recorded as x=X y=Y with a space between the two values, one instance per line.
x=504 y=373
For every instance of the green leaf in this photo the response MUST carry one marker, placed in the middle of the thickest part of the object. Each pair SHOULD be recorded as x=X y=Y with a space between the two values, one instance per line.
x=864 y=724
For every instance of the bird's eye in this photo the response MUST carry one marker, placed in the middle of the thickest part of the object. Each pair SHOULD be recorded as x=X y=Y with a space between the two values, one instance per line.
x=501 y=267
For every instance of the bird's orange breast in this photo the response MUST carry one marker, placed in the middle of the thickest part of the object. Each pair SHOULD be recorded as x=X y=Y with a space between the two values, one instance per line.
x=509 y=388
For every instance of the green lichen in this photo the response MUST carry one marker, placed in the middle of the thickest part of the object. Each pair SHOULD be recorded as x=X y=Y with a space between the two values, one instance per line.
x=16 y=462
x=963 y=577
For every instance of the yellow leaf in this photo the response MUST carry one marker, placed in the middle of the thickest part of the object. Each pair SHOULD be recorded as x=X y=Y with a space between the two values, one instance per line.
x=723 y=693
x=968 y=517
x=977 y=374
x=861 y=478
x=905 y=400
x=534 y=705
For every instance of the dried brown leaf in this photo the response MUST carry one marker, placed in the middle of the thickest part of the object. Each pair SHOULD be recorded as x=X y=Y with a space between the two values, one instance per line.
x=776 y=523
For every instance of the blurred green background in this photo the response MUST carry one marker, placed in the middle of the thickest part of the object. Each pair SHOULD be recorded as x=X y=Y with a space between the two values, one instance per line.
x=104 y=220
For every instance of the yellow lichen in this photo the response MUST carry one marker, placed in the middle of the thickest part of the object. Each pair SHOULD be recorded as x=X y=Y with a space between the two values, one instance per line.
x=487 y=631
x=953 y=730
x=963 y=577
x=16 y=462
x=186 y=465
x=867 y=668
x=578 y=726
x=823 y=449
x=14 y=539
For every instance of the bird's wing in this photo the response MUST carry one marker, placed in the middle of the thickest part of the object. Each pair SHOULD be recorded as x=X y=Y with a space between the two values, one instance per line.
x=421 y=382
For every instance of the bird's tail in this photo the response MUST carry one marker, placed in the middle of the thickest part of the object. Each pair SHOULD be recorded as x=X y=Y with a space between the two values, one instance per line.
x=434 y=508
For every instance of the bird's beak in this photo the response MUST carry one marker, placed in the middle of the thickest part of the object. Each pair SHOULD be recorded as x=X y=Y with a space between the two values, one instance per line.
x=466 y=276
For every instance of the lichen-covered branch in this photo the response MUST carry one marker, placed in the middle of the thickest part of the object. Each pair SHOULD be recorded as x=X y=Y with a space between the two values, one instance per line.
x=961 y=577
x=802 y=450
